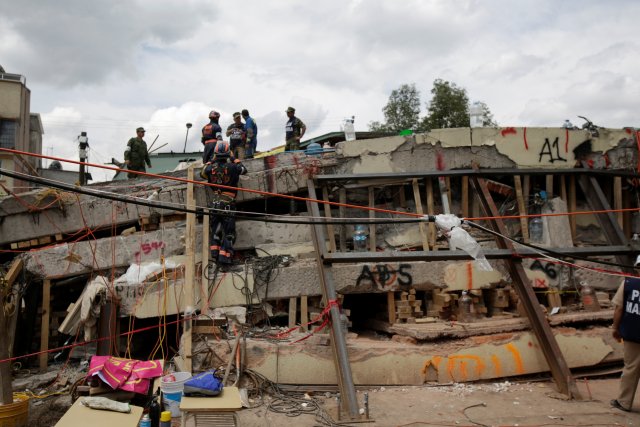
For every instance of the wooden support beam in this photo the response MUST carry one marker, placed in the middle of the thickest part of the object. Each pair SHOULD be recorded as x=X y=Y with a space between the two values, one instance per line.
x=403 y=197
x=189 y=270
x=420 y=211
x=522 y=208
x=617 y=199
x=571 y=203
x=444 y=194
x=465 y=197
x=293 y=311
x=204 y=281
x=327 y=212
x=391 y=306
x=6 y=392
x=563 y=188
x=549 y=187
x=44 y=323
x=304 y=313
x=431 y=210
x=372 y=215
x=342 y=195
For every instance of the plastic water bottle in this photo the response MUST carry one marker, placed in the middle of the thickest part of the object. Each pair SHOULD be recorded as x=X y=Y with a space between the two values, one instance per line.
x=349 y=129
x=589 y=298
x=535 y=229
x=464 y=307
x=360 y=238
x=145 y=421
x=475 y=115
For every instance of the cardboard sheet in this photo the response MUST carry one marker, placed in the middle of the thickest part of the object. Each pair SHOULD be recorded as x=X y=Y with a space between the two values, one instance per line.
x=228 y=400
x=81 y=416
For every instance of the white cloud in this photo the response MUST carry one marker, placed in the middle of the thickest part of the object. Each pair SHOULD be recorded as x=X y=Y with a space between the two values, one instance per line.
x=162 y=64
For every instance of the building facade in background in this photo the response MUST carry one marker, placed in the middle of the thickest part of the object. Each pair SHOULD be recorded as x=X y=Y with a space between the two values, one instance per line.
x=19 y=130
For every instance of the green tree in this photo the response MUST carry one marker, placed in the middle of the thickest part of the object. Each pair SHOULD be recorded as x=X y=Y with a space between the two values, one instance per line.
x=448 y=108
x=402 y=110
x=487 y=116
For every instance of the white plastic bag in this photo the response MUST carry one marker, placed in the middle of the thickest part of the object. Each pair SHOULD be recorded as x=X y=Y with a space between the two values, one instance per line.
x=459 y=238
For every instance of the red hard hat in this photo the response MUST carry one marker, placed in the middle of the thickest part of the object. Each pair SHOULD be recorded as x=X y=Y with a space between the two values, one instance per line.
x=214 y=114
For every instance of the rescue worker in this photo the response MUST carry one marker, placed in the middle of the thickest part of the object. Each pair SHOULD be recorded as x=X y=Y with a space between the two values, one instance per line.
x=211 y=134
x=136 y=154
x=223 y=170
x=237 y=134
x=294 y=131
x=626 y=327
x=252 y=134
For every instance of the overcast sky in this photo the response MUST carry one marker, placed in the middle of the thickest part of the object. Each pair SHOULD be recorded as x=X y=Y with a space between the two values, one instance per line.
x=106 y=67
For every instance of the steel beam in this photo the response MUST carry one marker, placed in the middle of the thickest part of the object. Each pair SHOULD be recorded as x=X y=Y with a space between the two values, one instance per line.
x=476 y=172
x=338 y=341
x=554 y=357
x=458 y=255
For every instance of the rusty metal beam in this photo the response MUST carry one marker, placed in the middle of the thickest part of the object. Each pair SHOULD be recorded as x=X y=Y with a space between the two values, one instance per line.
x=554 y=357
x=338 y=341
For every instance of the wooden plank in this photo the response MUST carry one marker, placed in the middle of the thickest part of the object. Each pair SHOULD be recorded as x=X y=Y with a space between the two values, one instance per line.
x=391 y=306
x=522 y=210
x=571 y=202
x=293 y=310
x=465 y=196
x=420 y=211
x=617 y=199
x=372 y=215
x=6 y=393
x=304 y=313
x=44 y=324
x=189 y=268
x=343 y=228
x=204 y=281
x=549 y=187
x=402 y=197
x=327 y=212
x=563 y=188
x=14 y=270
x=80 y=416
x=431 y=211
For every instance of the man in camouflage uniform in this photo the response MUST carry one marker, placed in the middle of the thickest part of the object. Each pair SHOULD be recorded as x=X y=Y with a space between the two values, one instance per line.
x=294 y=131
x=136 y=154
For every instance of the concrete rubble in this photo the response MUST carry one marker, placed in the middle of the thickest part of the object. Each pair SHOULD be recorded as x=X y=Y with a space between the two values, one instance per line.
x=279 y=264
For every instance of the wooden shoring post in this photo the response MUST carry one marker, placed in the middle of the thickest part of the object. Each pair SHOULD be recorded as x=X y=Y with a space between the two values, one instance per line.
x=563 y=189
x=465 y=196
x=572 y=206
x=402 y=197
x=597 y=201
x=293 y=311
x=617 y=199
x=304 y=313
x=44 y=323
x=444 y=194
x=372 y=215
x=552 y=353
x=549 y=187
x=189 y=271
x=522 y=208
x=391 y=306
x=342 y=195
x=10 y=278
x=338 y=341
x=327 y=212
x=204 y=280
x=431 y=210
x=420 y=211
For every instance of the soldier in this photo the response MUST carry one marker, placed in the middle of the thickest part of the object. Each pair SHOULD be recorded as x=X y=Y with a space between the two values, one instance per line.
x=222 y=226
x=136 y=154
x=294 y=131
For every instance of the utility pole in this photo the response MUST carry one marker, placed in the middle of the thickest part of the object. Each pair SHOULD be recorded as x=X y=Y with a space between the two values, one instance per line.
x=83 y=145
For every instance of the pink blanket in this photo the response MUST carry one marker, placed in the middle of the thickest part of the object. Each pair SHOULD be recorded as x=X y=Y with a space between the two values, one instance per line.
x=125 y=374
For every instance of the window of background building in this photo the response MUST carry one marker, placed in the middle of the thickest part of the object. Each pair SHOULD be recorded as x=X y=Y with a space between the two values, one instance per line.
x=8 y=131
